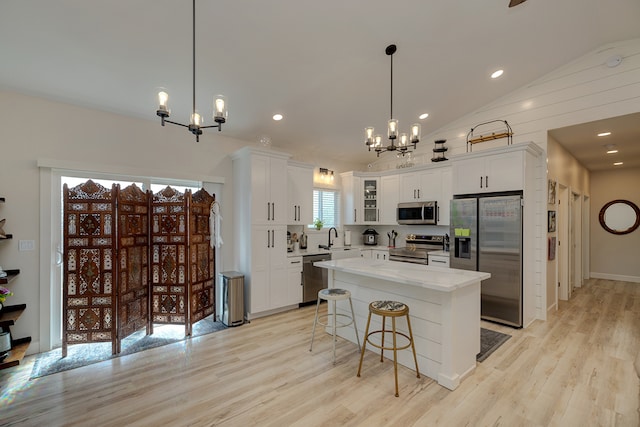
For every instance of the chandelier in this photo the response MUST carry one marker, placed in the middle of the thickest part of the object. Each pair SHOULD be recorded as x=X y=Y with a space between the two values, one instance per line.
x=404 y=140
x=195 y=123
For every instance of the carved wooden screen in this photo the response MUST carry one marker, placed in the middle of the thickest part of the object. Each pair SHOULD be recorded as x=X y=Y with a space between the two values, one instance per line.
x=133 y=260
x=202 y=257
x=89 y=266
x=170 y=258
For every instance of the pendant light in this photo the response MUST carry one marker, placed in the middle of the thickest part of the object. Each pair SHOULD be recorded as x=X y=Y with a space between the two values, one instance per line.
x=373 y=140
x=195 y=123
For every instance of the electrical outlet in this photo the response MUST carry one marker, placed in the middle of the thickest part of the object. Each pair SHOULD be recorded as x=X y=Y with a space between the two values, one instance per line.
x=27 y=245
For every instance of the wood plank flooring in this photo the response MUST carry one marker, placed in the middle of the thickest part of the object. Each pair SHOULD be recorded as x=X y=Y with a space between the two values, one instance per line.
x=576 y=369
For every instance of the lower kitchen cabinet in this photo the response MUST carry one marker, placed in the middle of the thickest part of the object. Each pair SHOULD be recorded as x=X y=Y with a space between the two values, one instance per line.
x=294 y=281
x=266 y=284
x=438 y=259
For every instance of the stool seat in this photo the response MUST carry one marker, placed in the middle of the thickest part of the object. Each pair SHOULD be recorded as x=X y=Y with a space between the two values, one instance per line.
x=391 y=309
x=334 y=295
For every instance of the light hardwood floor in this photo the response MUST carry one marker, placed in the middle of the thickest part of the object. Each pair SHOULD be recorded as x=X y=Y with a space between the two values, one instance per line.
x=576 y=369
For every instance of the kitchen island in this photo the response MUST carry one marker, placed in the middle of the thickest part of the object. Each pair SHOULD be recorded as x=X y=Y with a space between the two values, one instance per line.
x=444 y=306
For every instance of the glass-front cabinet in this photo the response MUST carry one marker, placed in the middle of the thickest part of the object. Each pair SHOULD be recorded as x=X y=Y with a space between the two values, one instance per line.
x=370 y=200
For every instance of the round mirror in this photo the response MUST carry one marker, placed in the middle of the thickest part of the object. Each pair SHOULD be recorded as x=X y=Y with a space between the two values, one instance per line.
x=620 y=217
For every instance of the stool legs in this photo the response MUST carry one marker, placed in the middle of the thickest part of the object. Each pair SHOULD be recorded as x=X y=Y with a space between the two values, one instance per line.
x=394 y=348
x=353 y=320
x=334 y=332
x=334 y=324
x=364 y=343
x=315 y=321
x=413 y=347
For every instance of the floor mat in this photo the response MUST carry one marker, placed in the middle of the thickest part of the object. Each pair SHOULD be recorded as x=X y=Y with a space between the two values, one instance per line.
x=85 y=354
x=489 y=342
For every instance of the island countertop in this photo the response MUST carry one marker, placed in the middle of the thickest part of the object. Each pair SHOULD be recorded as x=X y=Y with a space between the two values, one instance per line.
x=436 y=278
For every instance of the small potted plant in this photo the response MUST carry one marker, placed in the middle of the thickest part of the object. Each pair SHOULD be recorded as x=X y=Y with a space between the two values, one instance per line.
x=4 y=293
x=318 y=224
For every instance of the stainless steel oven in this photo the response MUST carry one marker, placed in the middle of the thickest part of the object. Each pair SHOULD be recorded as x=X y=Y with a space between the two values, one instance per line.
x=417 y=249
x=417 y=213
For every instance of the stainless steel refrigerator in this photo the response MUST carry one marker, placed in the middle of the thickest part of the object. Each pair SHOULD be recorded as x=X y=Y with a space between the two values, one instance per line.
x=487 y=236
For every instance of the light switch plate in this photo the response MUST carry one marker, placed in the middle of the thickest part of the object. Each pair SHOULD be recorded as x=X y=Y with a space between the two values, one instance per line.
x=27 y=245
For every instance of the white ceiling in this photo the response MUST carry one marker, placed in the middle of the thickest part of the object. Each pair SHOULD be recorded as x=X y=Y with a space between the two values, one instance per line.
x=321 y=64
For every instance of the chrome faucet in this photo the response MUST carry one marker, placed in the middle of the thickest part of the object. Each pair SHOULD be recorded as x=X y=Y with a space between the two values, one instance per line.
x=336 y=233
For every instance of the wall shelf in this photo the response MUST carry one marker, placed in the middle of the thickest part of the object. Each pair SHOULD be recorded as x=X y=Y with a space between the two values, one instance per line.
x=8 y=317
x=11 y=274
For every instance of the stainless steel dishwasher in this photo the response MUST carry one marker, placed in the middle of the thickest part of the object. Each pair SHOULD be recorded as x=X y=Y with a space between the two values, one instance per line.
x=313 y=278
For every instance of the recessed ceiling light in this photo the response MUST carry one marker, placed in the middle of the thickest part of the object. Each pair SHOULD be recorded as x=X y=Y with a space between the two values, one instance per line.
x=604 y=134
x=423 y=116
x=497 y=74
x=612 y=151
x=617 y=163
x=277 y=117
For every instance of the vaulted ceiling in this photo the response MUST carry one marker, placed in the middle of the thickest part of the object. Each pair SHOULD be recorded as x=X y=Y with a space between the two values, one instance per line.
x=320 y=64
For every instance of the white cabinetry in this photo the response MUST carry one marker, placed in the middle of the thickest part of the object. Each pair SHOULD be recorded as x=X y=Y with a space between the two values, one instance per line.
x=381 y=254
x=421 y=186
x=370 y=200
x=433 y=184
x=259 y=177
x=488 y=173
x=351 y=199
x=438 y=259
x=268 y=178
x=294 y=281
x=389 y=198
x=300 y=193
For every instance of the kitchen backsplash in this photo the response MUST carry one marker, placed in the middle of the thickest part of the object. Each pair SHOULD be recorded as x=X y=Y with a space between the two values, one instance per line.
x=316 y=237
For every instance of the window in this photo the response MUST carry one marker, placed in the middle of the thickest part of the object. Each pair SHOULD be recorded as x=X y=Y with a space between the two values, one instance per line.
x=325 y=207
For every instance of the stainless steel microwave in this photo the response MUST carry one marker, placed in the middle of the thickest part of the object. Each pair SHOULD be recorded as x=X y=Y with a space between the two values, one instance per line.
x=417 y=213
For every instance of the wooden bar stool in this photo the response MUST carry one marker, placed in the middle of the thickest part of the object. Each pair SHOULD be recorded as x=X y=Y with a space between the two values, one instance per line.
x=334 y=294
x=391 y=309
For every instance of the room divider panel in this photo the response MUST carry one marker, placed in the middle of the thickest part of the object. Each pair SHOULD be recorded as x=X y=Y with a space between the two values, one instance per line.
x=133 y=259
x=133 y=262
x=89 y=268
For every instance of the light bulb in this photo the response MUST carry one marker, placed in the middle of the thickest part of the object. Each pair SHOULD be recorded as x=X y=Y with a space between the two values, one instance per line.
x=415 y=133
x=404 y=140
x=368 y=132
x=393 y=129
x=220 y=112
x=163 y=97
x=196 y=119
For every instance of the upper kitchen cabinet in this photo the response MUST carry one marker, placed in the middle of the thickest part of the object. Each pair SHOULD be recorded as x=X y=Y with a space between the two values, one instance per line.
x=389 y=186
x=430 y=184
x=370 y=200
x=361 y=198
x=421 y=186
x=300 y=193
x=264 y=172
x=351 y=199
x=494 y=170
x=489 y=171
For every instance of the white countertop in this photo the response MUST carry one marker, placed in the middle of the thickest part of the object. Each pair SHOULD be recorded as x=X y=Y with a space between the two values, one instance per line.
x=436 y=278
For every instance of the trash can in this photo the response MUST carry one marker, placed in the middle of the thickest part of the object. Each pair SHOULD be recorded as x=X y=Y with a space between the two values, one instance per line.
x=232 y=298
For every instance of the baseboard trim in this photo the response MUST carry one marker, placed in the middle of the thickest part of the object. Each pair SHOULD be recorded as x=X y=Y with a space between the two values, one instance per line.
x=619 y=277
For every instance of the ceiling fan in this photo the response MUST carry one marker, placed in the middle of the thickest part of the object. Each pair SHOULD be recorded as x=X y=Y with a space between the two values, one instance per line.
x=516 y=2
